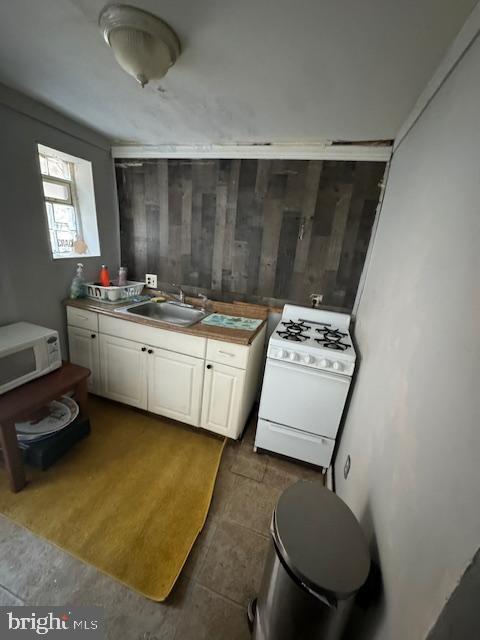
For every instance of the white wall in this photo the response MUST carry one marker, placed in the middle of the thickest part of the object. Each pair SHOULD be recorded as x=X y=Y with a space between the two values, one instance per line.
x=413 y=426
x=32 y=284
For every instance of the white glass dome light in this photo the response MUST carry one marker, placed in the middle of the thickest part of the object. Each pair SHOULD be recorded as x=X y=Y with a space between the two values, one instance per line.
x=143 y=45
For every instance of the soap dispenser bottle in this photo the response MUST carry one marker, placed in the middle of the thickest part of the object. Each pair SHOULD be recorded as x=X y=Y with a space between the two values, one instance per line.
x=77 y=288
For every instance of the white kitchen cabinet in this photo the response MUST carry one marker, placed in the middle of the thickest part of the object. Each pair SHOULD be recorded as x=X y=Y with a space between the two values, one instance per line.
x=197 y=380
x=124 y=370
x=175 y=384
x=84 y=351
x=223 y=396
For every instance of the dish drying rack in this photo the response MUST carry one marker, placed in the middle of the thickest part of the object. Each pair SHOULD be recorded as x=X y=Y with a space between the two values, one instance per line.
x=114 y=293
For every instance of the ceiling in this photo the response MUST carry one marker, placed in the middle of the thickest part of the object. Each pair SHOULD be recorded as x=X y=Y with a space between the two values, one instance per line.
x=250 y=70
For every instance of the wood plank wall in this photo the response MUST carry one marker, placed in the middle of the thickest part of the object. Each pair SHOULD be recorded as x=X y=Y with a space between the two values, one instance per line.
x=266 y=231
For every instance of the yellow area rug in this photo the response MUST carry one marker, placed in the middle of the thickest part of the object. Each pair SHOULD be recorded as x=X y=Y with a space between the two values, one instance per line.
x=130 y=499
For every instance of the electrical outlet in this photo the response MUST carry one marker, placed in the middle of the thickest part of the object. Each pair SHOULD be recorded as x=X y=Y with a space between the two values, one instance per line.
x=316 y=299
x=151 y=280
x=346 y=468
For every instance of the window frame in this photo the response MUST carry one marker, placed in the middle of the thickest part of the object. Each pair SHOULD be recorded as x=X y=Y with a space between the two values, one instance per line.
x=78 y=168
x=64 y=183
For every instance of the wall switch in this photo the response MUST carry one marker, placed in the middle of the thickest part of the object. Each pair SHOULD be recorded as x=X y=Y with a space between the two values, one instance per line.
x=151 y=280
x=346 y=468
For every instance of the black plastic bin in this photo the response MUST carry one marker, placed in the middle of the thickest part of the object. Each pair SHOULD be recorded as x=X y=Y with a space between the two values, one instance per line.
x=44 y=453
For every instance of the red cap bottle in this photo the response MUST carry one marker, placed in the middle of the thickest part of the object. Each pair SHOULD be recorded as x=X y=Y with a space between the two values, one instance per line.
x=104 y=276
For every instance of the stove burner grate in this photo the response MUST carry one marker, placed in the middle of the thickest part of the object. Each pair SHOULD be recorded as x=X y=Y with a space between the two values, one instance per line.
x=331 y=339
x=294 y=331
x=296 y=337
x=337 y=345
x=331 y=334
x=295 y=327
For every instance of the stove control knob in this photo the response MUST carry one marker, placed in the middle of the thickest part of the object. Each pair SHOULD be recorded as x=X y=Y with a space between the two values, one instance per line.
x=293 y=356
x=338 y=366
x=309 y=359
x=281 y=353
x=325 y=363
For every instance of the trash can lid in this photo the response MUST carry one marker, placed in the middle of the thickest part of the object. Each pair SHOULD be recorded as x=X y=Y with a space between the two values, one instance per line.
x=320 y=540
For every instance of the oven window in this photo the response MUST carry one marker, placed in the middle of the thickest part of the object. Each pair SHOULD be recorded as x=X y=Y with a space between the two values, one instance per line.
x=16 y=365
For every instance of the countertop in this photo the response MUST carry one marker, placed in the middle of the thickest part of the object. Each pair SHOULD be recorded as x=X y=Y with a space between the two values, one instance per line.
x=239 y=336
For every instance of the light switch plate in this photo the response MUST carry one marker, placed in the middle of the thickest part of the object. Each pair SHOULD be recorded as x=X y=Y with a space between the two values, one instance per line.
x=151 y=280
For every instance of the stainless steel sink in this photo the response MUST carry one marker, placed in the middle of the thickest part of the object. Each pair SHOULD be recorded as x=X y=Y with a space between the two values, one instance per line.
x=180 y=314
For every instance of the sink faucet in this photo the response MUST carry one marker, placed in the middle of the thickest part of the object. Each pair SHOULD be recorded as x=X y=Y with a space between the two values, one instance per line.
x=204 y=301
x=180 y=294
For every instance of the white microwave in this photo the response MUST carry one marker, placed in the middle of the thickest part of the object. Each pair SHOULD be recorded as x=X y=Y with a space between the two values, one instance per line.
x=27 y=351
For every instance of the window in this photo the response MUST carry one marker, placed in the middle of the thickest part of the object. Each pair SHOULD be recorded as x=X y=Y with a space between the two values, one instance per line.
x=69 y=204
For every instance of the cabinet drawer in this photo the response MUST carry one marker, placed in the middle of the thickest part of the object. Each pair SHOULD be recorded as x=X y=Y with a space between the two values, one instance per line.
x=233 y=355
x=295 y=444
x=81 y=318
x=153 y=336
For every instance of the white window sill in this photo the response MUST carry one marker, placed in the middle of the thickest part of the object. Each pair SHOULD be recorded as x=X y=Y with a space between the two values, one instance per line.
x=77 y=256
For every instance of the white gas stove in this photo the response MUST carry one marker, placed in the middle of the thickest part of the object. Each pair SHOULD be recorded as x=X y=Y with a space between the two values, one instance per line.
x=314 y=338
x=310 y=362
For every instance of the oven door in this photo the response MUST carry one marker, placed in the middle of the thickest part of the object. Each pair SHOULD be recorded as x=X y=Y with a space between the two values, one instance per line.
x=303 y=398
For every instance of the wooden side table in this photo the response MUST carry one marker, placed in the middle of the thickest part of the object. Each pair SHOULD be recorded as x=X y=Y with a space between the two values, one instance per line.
x=20 y=403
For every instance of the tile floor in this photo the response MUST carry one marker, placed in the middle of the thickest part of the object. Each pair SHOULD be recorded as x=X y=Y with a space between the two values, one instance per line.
x=221 y=575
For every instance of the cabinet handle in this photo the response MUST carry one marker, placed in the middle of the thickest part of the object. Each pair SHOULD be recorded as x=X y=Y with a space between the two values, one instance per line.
x=144 y=348
x=93 y=335
x=226 y=353
x=150 y=351
x=209 y=366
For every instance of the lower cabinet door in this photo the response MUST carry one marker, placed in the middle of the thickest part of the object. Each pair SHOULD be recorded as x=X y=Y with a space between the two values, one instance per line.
x=123 y=365
x=222 y=399
x=84 y=351
x=175 y=383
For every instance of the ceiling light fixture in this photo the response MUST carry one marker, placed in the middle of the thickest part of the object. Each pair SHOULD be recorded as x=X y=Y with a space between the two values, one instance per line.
x=143 y=45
